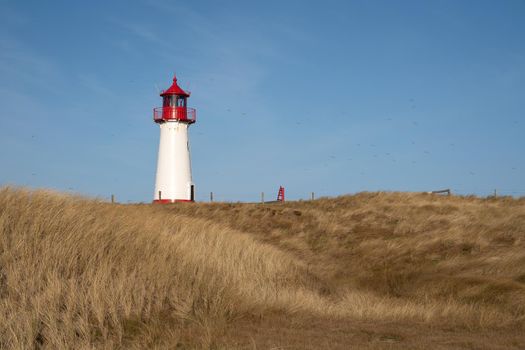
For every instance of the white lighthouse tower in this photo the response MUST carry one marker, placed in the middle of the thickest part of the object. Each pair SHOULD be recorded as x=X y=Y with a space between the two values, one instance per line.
x=173 y=182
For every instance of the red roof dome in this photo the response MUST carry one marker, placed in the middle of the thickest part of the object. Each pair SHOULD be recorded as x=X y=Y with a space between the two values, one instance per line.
x=174 y=89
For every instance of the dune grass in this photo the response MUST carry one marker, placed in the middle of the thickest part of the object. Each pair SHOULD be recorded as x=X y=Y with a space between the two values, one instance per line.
x=81 y=273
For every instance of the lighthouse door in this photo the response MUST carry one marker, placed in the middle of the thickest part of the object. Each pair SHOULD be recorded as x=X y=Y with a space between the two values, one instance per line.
x=192 y=193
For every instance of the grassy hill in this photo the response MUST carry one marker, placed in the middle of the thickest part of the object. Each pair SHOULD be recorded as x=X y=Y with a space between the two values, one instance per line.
x=367 y=271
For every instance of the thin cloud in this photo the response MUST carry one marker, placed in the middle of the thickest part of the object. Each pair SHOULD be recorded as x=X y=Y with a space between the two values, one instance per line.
x=139 y=30
x=23 y=67
x=95 y=85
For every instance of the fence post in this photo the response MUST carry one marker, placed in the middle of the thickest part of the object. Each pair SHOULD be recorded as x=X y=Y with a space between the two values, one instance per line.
x=262 y=197
x=313 y=196
x=112 y=198
x=495 y=193
x=211 y=196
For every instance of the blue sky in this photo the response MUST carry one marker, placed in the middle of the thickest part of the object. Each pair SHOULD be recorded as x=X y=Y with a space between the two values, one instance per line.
x=333 y=97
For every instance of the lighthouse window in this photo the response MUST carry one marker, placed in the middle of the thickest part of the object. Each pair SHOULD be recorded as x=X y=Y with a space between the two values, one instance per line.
x=181 y=101
x=169 y=101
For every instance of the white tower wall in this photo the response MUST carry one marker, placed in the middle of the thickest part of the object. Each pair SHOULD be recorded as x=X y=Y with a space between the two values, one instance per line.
x=174 y=166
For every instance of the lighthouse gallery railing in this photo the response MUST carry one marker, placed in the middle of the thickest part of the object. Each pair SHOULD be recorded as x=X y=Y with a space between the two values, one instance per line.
x=183 y=114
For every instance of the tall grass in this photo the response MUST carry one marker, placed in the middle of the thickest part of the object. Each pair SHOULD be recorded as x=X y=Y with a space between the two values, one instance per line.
x=80 y=273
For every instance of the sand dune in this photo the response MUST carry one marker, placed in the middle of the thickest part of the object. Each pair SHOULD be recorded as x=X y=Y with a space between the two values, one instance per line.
x=371 y=271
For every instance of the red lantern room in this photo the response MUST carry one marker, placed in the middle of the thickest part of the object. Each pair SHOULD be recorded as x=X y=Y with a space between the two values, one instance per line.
x=174 y=106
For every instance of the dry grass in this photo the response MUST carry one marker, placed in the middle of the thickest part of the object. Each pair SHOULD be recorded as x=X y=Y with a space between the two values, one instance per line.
x=373 y=270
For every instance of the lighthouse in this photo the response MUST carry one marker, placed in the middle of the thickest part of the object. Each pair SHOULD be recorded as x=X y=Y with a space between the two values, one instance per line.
x=173 y=182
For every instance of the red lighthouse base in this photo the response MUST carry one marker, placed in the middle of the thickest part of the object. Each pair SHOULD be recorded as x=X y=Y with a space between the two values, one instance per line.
x=169 y=201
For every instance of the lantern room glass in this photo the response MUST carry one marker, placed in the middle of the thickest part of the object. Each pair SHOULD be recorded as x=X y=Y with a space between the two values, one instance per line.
x=174 y=101
x=181 y=101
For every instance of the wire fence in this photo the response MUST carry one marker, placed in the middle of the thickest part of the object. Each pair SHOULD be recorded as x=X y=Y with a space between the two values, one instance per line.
x=267 y=197
x=264 y=197
x=490 y=192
